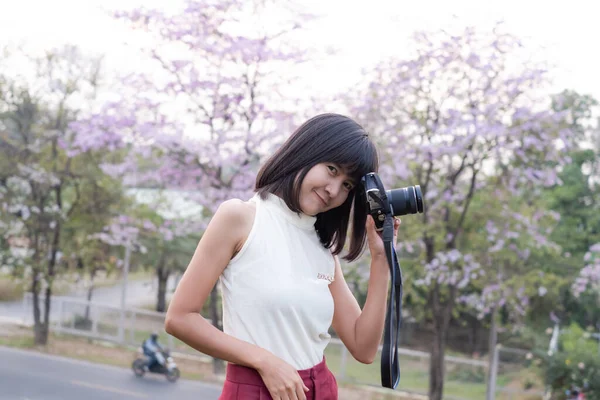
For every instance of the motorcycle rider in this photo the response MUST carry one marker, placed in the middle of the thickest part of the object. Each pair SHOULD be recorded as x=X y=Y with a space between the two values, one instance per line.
x=153 y=351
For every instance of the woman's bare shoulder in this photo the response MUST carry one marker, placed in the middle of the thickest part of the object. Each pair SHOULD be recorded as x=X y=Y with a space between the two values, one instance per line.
x=235 y=218
x=238 y=211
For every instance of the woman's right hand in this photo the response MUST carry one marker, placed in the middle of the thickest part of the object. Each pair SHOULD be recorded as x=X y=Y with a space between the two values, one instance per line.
x=281 y=379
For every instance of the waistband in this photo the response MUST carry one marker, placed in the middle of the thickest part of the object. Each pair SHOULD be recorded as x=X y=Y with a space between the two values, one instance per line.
x=250 y=376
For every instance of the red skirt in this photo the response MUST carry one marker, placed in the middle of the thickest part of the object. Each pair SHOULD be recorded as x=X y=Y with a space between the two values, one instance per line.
x=243 y=383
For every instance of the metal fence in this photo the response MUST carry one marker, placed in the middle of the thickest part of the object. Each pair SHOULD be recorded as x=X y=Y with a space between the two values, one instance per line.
x=95 y=320
x=515 y=376
x=466 y=379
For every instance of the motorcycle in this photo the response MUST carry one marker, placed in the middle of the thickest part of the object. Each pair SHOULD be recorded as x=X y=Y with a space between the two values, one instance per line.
x=169 y=369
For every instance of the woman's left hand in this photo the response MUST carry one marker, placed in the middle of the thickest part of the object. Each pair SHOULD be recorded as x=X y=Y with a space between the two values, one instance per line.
x=375 y=240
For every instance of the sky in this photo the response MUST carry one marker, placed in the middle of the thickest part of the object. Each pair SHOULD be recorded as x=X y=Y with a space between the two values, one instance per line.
x=362 y=31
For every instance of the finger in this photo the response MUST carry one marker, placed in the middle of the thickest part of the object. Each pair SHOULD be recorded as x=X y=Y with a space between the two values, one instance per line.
x=293 y=393
x=299 y=394
x=397 y=223
x=370 y=222
x=370 y=225
x=284 y=396
x=305 y=390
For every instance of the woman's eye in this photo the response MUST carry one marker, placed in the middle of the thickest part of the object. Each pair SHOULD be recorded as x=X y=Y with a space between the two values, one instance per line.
x=348 y=185
x=332 y=168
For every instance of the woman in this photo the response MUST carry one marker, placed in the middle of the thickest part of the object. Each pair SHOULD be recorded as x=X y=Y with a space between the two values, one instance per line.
x=276 y=256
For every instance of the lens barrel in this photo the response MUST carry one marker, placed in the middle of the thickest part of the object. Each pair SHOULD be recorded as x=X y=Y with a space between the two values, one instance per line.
x=408 y=200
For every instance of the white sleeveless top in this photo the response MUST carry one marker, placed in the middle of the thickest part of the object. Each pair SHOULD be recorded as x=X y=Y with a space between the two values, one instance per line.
x=276 y=289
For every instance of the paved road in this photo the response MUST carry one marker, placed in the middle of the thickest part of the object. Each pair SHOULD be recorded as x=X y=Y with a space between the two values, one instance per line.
x=27 y=375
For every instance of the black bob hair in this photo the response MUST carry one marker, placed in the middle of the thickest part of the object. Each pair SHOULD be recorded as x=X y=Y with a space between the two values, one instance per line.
x=335 y=139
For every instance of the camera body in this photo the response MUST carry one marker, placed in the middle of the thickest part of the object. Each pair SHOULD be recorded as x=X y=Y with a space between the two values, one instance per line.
x=394 y=202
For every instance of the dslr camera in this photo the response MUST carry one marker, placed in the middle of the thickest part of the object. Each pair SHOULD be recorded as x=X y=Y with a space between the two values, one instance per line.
x=394 y=202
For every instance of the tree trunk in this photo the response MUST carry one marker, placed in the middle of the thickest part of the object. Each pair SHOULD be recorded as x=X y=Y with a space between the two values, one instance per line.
x=38 y=329
x=218 y=364
x=442 y=312
x=46 y=322
x=40 y=323
x=437 y=353
x=493 y=339
x=437 y=368
x=161 y=299
x=41 y=334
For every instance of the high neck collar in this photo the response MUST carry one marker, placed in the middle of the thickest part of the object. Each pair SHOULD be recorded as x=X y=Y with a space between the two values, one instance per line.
x=301 y=220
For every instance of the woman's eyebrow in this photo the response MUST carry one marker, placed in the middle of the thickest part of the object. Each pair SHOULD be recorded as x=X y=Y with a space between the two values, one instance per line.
x=344 y=170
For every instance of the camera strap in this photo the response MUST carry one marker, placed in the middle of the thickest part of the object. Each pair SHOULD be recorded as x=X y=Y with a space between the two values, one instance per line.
x=390 y=365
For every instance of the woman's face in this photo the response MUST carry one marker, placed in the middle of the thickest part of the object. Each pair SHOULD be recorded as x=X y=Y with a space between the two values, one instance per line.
x=325 y=186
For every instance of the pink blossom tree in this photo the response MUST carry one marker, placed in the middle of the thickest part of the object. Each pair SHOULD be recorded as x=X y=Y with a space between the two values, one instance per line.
x=210 y=107
x=589 y=276
x=461 y=117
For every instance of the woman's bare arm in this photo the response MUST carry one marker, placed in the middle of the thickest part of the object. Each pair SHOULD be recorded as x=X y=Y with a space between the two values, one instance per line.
x=223 y=238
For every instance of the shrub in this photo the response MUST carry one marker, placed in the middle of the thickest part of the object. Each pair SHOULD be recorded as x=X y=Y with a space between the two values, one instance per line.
x=577 y=363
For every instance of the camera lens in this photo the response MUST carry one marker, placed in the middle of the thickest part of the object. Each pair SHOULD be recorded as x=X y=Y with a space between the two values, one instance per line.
x=408 y=200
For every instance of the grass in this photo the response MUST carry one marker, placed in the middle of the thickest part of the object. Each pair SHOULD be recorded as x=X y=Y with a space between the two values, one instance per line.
x=414 y=376
x=464 y=382
x=20 y=341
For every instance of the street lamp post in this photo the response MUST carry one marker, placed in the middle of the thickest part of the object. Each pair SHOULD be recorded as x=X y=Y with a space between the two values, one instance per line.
x=124 y=291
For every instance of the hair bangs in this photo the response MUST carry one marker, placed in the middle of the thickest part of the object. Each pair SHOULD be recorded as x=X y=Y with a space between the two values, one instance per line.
x=357 y=159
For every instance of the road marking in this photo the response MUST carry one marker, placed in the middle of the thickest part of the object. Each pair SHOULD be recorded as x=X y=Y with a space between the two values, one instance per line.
x=109 y=389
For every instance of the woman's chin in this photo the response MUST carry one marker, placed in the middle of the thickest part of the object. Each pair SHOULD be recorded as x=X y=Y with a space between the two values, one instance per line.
x=310 y=209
